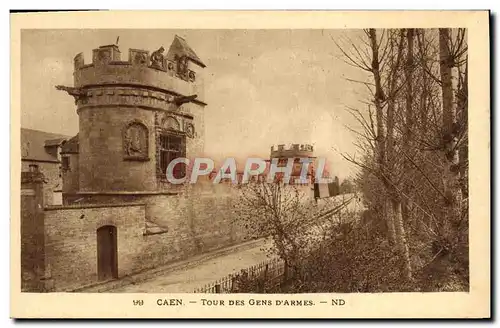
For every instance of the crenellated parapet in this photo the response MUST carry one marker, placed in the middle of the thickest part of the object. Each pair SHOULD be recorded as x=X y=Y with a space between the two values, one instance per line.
x=293 y=150
x=175 y=74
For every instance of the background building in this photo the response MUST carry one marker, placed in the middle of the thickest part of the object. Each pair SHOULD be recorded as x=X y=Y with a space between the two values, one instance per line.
x=295 y=152
x=40 y=152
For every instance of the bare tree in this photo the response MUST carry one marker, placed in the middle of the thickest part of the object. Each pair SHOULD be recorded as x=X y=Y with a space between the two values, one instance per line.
x=451 y=52
x=279 y=212
x=413 y=141
x=387 y=85
x=285 y=214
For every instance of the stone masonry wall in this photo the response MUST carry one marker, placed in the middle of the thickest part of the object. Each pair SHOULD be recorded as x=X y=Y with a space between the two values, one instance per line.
x=32 y=232
x=52 y=176
x=101 y=164
x=71 y=175
x=194 y=222
x=71 y=242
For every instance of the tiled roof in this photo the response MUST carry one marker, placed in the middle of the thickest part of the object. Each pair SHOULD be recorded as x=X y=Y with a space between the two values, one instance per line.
x=36 y=145
x=180 y=47
x=71 y=146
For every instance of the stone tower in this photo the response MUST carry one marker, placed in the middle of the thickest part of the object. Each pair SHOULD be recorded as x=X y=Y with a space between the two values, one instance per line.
x=135 y=116
x=295 y=151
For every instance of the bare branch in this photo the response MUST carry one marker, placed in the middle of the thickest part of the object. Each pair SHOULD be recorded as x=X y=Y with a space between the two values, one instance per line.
x=351 y=61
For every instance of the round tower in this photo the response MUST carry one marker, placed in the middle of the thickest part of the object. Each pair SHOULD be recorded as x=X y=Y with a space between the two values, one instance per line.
x=295 y=151
x=135 y=116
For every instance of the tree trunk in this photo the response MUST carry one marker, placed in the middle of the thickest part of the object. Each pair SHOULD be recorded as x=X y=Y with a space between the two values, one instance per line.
x=379 y=99
x=463 y=155
x=381 y=138
x=451 y=168
x=425 y=86
x=395 y=198
x=391 y=229
x=409 y=66
x=408 y=130
x=390 y=165
x=424 y=103
x=402 y=244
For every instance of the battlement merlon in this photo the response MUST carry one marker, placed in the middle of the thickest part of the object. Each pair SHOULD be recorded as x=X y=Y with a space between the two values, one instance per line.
x=296 y=147
x=293 y=150
x=177 y=72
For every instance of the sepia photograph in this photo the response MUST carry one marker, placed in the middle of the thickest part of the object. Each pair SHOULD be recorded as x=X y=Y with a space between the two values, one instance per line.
x=267 y=161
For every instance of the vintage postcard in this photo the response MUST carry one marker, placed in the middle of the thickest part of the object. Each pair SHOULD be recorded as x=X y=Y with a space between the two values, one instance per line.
x=250 y=165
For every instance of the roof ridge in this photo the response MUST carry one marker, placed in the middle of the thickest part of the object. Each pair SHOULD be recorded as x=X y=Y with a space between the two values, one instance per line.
x=47 y=132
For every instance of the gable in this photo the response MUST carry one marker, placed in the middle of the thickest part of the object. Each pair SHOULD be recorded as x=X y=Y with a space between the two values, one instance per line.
x=180 y=48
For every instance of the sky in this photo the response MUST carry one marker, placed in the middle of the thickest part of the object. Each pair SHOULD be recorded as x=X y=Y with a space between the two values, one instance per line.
x=263 y=87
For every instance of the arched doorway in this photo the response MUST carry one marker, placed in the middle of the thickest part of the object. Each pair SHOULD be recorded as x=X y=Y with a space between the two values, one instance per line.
x=107 y=253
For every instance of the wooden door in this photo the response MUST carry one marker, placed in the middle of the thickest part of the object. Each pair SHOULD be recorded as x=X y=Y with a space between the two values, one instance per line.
x=107 y=253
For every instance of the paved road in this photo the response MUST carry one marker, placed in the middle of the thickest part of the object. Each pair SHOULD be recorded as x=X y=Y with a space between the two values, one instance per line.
x=186 y=280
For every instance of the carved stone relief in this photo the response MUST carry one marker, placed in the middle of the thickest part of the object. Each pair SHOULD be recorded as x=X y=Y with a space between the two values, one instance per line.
x=171 y=123
x=179 y=124
x=192 y=76
x=157 y=58
x=182 y=67
x=157 y=119
x=138 y=57
x=135 y=141
x=189 y=129
x=104 y=56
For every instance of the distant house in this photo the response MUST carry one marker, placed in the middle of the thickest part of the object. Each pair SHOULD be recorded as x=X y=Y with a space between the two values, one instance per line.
x=40 y=151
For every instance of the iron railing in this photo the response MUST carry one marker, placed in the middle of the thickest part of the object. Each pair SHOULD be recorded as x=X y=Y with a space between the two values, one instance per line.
x=270 y=273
